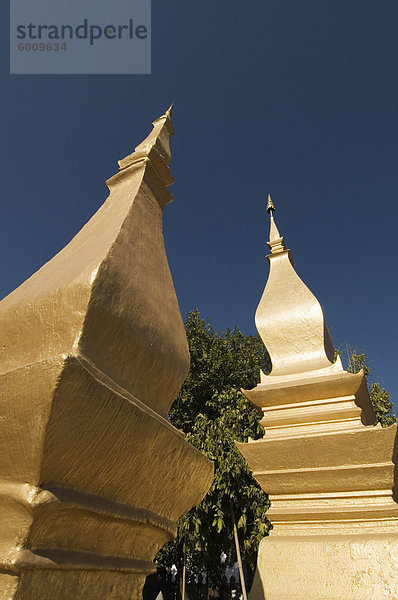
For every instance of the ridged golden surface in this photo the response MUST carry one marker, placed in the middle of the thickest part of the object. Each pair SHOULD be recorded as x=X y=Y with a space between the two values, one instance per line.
x=93 y=477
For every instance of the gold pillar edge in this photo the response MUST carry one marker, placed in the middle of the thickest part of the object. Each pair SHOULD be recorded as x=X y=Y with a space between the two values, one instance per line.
x=93 y=477
x=328 y=469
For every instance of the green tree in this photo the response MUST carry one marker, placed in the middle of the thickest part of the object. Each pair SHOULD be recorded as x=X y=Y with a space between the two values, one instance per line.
x=213 y=412
x=379 y=396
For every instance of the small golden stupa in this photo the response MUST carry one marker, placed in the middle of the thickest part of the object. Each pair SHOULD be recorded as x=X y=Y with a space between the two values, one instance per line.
x=329 y=470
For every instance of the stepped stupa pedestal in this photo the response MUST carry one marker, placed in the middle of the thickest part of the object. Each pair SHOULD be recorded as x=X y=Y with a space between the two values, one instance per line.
x=93 y=477
x=328 y=469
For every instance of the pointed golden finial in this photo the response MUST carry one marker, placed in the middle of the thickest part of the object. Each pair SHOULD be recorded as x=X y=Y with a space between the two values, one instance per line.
x=276 y=242
x=169 y=110
x=270 y=205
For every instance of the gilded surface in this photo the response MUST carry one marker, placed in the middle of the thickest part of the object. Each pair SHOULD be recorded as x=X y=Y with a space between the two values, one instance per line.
x=93 y=352
x=329 y=471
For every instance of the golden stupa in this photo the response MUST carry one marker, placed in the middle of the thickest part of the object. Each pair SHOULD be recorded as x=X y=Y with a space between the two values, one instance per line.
x=329 y=470
x=93 y=477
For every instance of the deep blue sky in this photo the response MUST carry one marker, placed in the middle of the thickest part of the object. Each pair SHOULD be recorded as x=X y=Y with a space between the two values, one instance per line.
x=295 y=97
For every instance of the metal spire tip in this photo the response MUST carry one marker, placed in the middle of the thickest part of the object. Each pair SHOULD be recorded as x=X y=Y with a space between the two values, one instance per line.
x=270 y=206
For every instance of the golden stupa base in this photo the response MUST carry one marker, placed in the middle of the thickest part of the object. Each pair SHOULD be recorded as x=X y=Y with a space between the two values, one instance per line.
x=334 y=567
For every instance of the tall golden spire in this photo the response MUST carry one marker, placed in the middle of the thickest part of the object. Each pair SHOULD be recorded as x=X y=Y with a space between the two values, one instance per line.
x=289 y=318
x=93 y=352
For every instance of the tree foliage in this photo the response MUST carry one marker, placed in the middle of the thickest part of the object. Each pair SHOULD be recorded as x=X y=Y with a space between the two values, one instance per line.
x=379 y=396
x=213 y=412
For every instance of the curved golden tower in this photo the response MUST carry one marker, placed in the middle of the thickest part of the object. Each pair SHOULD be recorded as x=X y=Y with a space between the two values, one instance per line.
x=328 y=469
x=93 y=477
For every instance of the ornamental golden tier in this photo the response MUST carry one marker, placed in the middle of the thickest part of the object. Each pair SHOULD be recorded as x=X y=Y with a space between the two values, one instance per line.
x=329 y=470
x=93 y=477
